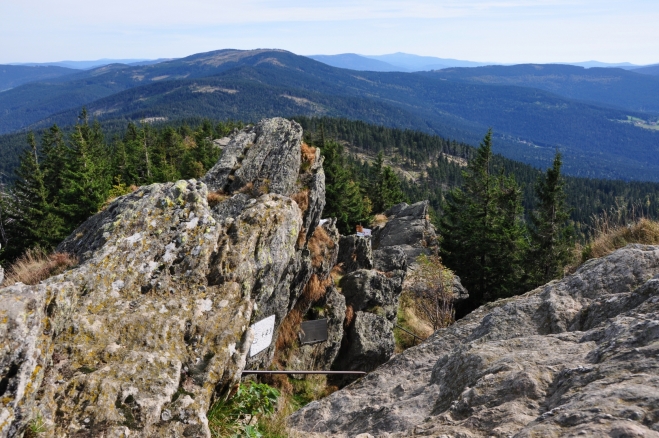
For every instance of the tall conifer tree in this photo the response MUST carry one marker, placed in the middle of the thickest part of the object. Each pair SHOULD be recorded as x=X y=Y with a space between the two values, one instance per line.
x=386 y=188
x=482 y=230
x=86 y=180
x=343 y=196
x=550 y=232
x=34 y=220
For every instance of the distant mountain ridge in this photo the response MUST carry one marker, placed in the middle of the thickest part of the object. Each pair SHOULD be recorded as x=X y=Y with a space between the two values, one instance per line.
x=402 y=62
x=615 y=87
x=87 y=65
x=529 y=123
x=648 y=70
x=353 y=61
x=14 y=75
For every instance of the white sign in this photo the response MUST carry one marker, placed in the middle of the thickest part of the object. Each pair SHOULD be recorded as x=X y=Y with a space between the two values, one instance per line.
x=263 y=331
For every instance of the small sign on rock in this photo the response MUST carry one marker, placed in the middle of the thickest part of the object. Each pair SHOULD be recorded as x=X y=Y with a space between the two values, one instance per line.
x=263 y=331
x=313 y=331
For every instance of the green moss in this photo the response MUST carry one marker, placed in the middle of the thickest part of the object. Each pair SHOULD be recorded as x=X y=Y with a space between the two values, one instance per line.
x=86 y=370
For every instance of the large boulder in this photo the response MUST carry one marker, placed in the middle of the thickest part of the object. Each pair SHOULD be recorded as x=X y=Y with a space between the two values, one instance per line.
x=266 y=156
x=30 y=318
x=574 y=357
x=355 y=253
x=153 y=325
x=321 y=355
x=409 y=227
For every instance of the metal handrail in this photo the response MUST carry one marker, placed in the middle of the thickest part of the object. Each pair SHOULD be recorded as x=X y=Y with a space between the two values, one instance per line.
x=301 y=372
x=408 y=332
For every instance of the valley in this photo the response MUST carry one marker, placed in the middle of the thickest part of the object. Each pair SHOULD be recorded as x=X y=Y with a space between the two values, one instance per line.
x=531 y=114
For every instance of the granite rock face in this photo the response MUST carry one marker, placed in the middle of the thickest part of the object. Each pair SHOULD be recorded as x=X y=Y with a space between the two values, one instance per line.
x=355 y=252
x=153 y=325
x=576 y=357
x=409 y=228
x=265 y=155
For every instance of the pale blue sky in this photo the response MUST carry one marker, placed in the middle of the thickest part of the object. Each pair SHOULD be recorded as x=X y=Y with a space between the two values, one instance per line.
x=507 y=31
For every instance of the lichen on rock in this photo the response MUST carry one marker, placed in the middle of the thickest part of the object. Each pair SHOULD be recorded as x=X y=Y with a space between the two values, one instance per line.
x=153 y=325
x=574 y=357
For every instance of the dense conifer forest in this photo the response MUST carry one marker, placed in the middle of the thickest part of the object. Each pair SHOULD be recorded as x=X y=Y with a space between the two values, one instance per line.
x=438 y=164
x=66 y=175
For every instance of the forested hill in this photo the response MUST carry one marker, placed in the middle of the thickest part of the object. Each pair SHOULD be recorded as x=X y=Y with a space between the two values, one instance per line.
x=436 y=164
x=14 y=75
x=528 y=123
x=614 y=87
x=428 y=165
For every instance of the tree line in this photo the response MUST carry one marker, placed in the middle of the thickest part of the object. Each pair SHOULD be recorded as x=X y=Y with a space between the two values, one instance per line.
x=487 y=238
x=501 y=237
x=72 y=175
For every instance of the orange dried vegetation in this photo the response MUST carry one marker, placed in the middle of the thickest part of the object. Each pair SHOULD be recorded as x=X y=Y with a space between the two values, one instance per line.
x=288 y=330
x=308 y=153
x=215 y=198
x=320 y=245
x=350 y=315
x=35 y=266
x=315 y=289
x=301 y=198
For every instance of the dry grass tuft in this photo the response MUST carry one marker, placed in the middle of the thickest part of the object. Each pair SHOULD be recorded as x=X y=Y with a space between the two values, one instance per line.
x=308 y=153
x=336 y=274
x=288 y=331
x=35 y=266
x=214 y=198
x=350 y=315
x=410 y=321
x=315 y=289
x=379 y=220
x=320 y=245
x=247 y=189
x=301 y=238
x=610 y=238
x=301 y=198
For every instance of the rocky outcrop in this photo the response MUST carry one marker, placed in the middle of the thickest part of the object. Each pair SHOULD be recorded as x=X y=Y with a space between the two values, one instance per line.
x=153 y=325
x=266 y=155
x=372 y=285
x=321 y=355
x=409 y=227
x=574 y=357
x=355 y=253
x=323 y=301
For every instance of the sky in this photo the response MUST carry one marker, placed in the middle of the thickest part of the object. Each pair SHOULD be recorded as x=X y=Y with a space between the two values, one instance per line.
x=503 y=31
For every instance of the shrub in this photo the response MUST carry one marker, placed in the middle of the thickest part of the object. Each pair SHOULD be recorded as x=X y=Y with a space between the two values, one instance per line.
x=431 y=288
x=239 y=415
x=35 y=266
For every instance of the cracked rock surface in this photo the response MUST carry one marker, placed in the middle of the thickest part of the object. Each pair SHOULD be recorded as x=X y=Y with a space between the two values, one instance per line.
x=576 y=357
x=153 y=325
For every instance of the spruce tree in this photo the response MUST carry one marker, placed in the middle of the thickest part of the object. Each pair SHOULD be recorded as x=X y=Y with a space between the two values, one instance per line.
x=551 y=235
x=86 y=180
x=34 y=222
x=54 y=150
x=386 y=188
x=482 y=230
x=343 y=197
